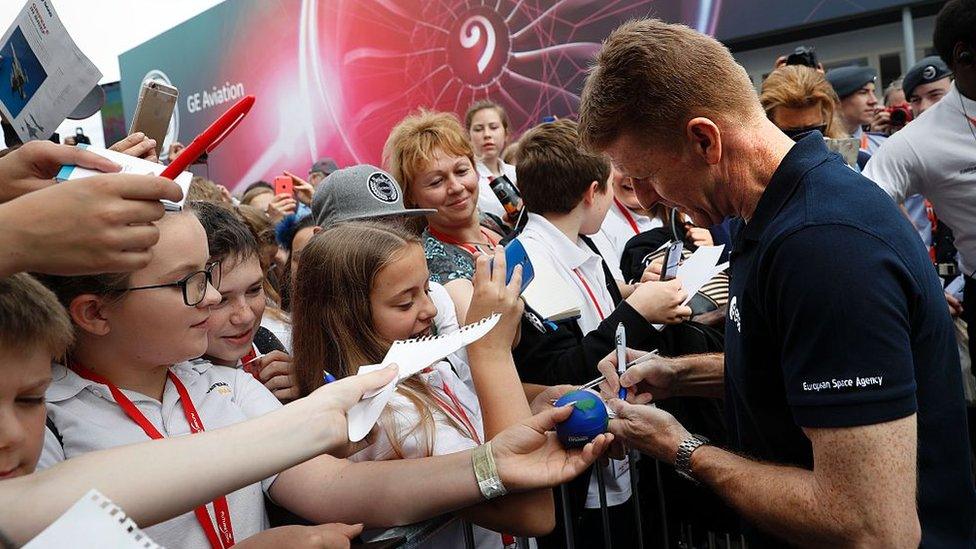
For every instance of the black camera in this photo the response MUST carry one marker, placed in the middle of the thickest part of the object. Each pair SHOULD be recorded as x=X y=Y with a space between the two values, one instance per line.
x=803 y=55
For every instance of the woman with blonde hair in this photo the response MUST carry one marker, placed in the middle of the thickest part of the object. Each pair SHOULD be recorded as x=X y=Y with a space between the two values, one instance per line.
x=429 y=154
x=799 y=99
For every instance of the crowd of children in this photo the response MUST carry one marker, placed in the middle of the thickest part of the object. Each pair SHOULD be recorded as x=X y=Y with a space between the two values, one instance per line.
x=250 y=319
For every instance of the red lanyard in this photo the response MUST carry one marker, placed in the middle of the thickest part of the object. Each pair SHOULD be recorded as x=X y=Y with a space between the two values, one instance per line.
x=246 y=362
x=463 y=245
x=626 y=213
x=226 y=537
x=596 y=304
x=457 y=412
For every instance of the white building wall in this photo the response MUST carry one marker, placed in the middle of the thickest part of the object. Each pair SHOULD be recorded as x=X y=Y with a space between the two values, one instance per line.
x=843 y=48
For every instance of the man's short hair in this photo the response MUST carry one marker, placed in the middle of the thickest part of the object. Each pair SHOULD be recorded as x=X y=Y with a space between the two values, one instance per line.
x=31 y=318
x=227 y=235
x=892 y=88
x=955 y=23
x=652 y=77
x=554 y=172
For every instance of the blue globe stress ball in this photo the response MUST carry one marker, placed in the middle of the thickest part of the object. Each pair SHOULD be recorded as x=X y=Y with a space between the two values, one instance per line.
x=589 y=419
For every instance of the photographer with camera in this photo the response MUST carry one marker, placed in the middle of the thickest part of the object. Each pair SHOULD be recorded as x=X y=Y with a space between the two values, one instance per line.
x=896 y=112
x=803 y=55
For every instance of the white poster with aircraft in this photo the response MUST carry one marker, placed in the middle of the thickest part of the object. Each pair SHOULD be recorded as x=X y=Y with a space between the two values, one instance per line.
x=43 y=74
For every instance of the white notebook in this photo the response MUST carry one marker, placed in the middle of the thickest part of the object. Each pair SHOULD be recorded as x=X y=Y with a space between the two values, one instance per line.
x=411 y=356
x=93 y=522
x=548 y=295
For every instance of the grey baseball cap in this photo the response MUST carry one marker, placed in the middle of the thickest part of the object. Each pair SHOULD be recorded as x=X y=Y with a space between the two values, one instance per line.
x=359 y=192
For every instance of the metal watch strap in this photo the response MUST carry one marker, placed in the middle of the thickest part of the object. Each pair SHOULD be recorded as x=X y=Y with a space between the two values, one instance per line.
x=486 y=472
x=682 y=460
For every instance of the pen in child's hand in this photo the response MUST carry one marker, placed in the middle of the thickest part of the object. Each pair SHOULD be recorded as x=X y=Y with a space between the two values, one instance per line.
x=621 y=340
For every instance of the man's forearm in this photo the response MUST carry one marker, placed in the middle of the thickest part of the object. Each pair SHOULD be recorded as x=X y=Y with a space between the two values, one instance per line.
x=700 y=375
x=787 y=502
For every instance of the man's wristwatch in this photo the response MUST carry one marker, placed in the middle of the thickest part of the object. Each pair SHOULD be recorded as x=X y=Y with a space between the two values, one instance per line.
x=682 y=461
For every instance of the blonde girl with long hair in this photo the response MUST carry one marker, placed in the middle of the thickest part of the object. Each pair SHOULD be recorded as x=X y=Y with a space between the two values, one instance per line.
x=361 y=286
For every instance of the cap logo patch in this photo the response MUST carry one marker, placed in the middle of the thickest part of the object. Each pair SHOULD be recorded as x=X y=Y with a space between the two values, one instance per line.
x=928 y=72
x=383 y=188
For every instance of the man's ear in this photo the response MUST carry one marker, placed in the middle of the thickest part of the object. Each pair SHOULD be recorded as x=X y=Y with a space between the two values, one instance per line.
x=316 y=230
x=705 y=138
x=87 y=311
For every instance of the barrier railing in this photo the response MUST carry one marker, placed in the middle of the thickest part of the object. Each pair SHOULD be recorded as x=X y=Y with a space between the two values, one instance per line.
x=689 y=537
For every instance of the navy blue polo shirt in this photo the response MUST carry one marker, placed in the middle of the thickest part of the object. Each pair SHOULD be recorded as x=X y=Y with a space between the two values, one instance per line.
x=837 y=319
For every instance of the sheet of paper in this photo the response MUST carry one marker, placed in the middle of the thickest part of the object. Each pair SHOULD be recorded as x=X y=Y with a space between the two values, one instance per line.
x=130 y=164
x=43 y=74
x=93 y=522
x=698 y=269
x=412 y=356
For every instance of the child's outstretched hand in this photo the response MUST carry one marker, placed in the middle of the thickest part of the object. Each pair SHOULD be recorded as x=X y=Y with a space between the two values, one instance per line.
x=491 y=295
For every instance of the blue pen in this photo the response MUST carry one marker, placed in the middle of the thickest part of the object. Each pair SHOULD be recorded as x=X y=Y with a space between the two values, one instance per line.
x=327 y=378
x=621 y=340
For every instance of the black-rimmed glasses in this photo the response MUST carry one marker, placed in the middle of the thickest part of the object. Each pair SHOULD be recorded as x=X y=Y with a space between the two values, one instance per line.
x=193 y=285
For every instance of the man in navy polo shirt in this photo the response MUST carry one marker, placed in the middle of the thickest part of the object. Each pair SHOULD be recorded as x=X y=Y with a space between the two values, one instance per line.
x=841 y=375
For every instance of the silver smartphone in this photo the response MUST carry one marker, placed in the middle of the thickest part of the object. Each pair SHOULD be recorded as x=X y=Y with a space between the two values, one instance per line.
x=672 y=257
x=154 y=111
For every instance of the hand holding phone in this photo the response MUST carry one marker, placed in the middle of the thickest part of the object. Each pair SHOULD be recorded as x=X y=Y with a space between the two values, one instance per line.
x=515 y=255
x=284 y=185
x=672 y=257
x=154 y=111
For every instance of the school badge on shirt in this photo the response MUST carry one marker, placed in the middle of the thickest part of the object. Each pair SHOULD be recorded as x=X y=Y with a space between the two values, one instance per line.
x=221 y=387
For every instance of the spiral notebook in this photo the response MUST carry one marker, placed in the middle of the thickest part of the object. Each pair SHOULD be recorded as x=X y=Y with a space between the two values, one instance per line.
x=412 y=356
x=93 y=522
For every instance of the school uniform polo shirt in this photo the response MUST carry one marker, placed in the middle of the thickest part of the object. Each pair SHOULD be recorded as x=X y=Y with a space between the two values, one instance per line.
x=935 y=156
x=620 y=225
x=88 y=419
x=582 y=269
x=836 y=319
x=577 y=264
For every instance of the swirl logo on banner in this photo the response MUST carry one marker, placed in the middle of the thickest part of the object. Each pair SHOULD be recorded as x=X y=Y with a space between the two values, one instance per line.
x=479 y=48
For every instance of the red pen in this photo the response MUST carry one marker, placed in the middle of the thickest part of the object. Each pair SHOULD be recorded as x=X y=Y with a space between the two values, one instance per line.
x=210 y=138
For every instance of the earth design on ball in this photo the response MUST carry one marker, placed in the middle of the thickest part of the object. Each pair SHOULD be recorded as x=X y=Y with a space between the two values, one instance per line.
x=589 y=419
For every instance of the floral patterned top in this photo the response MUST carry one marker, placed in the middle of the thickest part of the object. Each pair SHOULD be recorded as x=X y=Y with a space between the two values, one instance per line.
x=446 y=261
